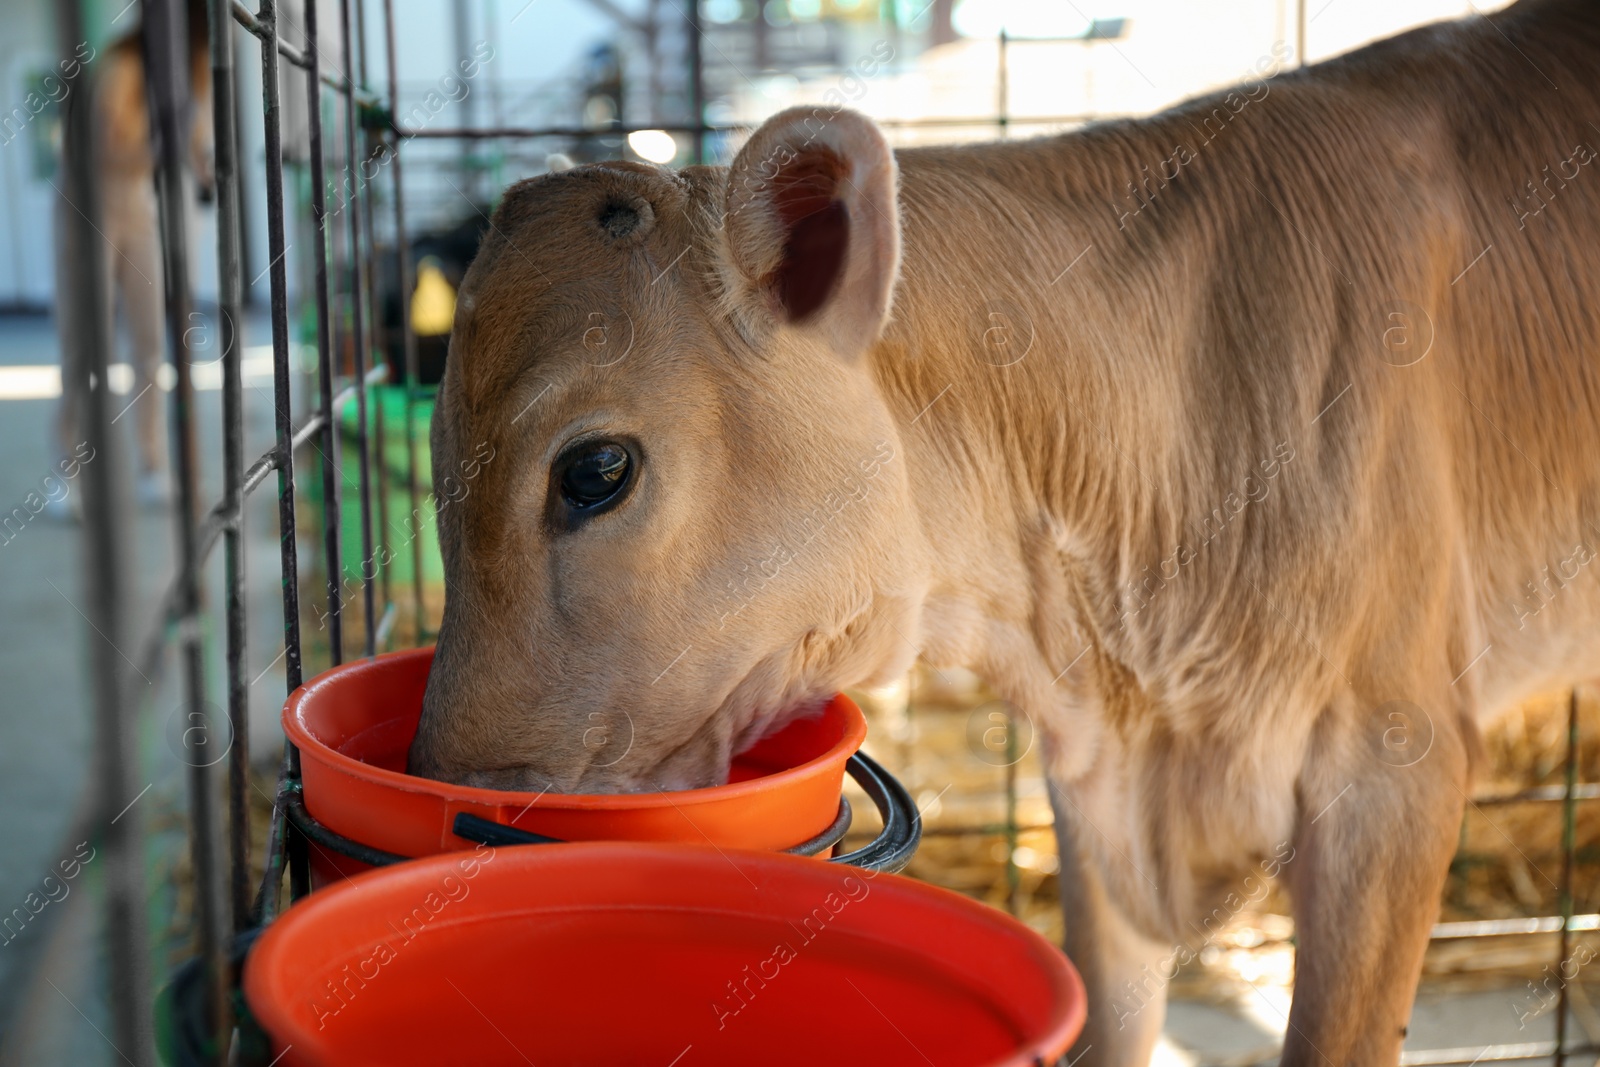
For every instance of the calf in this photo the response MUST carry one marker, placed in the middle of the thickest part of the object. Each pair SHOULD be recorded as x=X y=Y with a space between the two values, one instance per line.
x=1247 y=449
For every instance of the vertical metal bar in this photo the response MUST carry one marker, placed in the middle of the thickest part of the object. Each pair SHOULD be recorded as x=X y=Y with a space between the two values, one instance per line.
x=492 y=87
x=358 y=334
x=87 y=343
x=272 y=135
x=166 y=51
x=461 y=30
x=330 y=426
x=1003 y=76
x=1013 y=876
x=697 y=81
x=889 y=11
x=1300 y=33
x=246 y=285
x=652 y=47
x=1569 y=823
x=761 y=30
x=379 y=430
x=231 y=295
x=402 y=251
x=339 y=333
x=360 y=72
x=282 y=842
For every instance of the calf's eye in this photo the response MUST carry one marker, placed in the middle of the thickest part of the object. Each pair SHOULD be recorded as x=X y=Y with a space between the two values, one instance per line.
x=592 y=473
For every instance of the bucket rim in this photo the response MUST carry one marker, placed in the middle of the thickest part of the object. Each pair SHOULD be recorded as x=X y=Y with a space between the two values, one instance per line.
x=1068 y=999
x=853 y=736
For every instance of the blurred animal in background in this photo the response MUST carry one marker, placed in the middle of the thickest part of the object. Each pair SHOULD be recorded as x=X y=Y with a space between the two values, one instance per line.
x=129 y=221
x=439 y=262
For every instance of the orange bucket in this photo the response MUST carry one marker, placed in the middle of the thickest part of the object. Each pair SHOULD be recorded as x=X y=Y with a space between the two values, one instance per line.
x=354 y=725
x=614 y=955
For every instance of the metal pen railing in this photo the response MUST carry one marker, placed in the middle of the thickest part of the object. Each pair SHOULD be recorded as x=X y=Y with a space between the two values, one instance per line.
x=86 y=347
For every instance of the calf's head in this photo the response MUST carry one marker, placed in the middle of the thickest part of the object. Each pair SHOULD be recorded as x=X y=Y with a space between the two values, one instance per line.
x=674 y=512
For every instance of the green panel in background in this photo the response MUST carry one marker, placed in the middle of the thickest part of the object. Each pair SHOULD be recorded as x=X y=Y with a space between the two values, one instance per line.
x=409 y=537
x=105 y=21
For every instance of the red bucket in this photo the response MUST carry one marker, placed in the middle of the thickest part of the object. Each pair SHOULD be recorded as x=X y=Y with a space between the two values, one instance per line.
x=354 y=726
x=615 y=955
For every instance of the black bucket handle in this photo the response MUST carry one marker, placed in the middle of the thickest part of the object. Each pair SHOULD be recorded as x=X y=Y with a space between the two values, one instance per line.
x=890 y=851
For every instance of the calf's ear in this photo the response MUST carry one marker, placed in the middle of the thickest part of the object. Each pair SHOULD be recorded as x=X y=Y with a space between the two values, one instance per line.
x=813 y=228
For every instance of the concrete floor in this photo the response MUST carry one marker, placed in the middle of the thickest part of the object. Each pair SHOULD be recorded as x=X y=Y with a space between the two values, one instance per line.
x=1248 y=1033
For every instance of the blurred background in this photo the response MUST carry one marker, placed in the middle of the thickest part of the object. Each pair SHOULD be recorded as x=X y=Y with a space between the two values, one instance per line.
x=486 y=92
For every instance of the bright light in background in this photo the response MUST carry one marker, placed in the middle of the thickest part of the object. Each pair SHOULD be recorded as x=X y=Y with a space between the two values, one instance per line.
x=42 y=381
x=1021 y=18
x=658 y=146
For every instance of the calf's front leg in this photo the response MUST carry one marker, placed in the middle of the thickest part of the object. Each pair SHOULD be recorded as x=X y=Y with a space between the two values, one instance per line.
x=1380 y=807
x=1120 y=968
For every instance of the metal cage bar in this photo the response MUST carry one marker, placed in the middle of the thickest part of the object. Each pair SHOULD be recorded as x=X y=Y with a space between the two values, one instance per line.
x=166 y=44
x=1568 y=847
x=257 y=26
x=325 y=373
x=407 y=335
x=279 y=848
x=231 y=301
x=86 y=343
x=358 y=322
